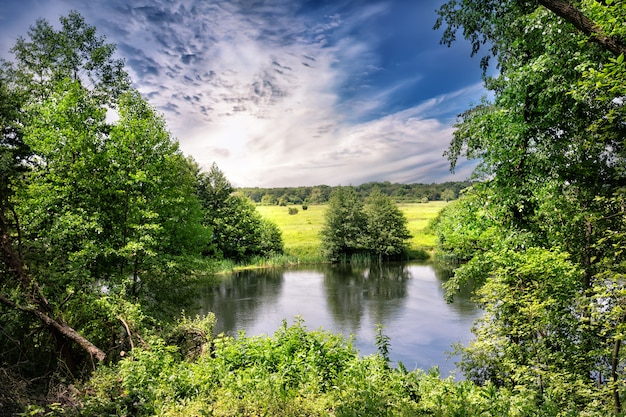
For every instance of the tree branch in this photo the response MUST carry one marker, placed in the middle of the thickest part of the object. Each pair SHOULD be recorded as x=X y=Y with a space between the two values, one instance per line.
x=581 y=22
x=34 y=295
x=59 y=327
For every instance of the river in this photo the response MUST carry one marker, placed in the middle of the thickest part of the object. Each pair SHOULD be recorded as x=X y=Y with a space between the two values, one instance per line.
x=407 y=299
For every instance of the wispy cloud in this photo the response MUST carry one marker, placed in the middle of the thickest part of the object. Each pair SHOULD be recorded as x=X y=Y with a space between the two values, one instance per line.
x=277 y=95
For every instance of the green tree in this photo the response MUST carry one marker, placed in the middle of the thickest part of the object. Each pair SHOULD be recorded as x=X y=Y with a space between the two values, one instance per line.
x=268 y=200
x=41 y=65
x=344 y=224
x=551 y=162
x=102 y=210
x=73 y=52
x=447 y=195
x=386 y=233
x=213 y=188
x=239 y=231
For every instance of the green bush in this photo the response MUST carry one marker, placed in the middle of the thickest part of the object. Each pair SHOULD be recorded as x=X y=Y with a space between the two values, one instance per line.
x=295 y=372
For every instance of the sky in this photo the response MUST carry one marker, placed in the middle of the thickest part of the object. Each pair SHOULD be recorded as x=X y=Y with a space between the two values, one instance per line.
x=289 y=92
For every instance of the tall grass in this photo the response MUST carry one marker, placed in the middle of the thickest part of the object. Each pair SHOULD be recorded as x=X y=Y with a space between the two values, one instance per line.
x=301 y=230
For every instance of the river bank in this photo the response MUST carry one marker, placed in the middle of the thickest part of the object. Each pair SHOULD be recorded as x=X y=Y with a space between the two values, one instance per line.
x=301 y=234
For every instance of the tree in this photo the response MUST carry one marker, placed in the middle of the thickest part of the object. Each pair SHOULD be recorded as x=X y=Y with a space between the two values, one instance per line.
x=154 y=214
x=386 y=233
x=268 y=200
x=213 y=188
x=530 y=332
x=447 y=195
x=91 y=210
x=344 y=225
x=74 y=52
x=239 y=231
x=40 y=65
x=551 y=162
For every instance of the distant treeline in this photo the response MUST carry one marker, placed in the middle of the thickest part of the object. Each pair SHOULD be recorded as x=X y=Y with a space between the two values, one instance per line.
x=319 y=194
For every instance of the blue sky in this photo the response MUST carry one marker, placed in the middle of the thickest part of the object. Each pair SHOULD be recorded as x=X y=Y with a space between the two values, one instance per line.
x=289 y=92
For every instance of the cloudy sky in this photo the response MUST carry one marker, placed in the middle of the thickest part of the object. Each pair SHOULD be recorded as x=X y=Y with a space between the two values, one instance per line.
x=289 y=92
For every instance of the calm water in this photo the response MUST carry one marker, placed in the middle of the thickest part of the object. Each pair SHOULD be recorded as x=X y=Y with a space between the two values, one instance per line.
x=406 y=299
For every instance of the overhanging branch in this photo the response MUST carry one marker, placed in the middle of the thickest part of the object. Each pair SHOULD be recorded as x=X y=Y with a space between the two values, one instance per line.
x=581 y=22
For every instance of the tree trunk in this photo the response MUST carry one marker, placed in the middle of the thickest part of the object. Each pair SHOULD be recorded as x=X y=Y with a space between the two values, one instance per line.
x=59 y=327
x=614 y=364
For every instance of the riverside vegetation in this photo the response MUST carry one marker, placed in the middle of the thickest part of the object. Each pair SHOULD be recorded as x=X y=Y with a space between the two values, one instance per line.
x=301 y=231
x=102 y=225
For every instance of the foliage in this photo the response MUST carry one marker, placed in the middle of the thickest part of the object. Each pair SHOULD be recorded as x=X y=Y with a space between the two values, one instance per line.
x=386 y=232
x=320 y=194
x=344 y=224
x=213 y=188
x=541 y=234
x=294 y=372
x=239 y=231
x=75 y=52
x=91 y=210
x=530 y=331
x=351 y=230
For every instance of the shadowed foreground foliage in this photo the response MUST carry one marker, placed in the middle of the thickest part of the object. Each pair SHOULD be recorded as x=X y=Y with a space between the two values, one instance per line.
x=295 y=372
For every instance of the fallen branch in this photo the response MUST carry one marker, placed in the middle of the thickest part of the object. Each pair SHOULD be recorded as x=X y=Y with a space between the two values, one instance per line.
x=59 y=327
x=130 y=336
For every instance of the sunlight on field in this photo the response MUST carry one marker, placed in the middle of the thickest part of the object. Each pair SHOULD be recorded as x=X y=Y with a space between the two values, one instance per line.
x=418 y=216
x=301 y=230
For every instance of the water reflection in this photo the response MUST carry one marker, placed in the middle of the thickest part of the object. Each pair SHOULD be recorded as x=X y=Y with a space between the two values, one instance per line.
x=406 y=299
x=353 y=291
x=239 y=297
x=444 y=271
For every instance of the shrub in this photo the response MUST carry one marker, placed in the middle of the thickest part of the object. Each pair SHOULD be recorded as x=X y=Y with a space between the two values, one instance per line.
x=295 y=372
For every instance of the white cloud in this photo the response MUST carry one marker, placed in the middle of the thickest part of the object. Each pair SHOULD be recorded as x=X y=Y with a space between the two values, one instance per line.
x=257 y=88
x=406 y=146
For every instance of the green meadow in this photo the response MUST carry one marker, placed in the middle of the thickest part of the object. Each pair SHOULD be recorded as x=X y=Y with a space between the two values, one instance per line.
x=301 y=230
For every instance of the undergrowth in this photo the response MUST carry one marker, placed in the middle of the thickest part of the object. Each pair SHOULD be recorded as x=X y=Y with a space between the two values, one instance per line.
x=295 y=372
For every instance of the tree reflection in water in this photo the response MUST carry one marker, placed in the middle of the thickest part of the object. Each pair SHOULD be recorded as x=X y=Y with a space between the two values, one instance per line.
x=407 y=299
x=239 y=297
x=352 y=291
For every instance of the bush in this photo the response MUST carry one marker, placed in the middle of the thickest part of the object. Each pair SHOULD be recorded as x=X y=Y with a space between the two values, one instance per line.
x=293 y=210
x=296 y=372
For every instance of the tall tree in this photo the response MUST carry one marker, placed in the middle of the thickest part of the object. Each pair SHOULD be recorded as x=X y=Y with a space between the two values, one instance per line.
x=213 y=188
x=552 y=168
x=239 y=232
x=89 y=209
x=344 y=224
x=74 y=52
x=386 y=233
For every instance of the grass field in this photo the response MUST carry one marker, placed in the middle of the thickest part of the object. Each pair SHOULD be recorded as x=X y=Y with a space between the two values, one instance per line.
x=301 y=230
